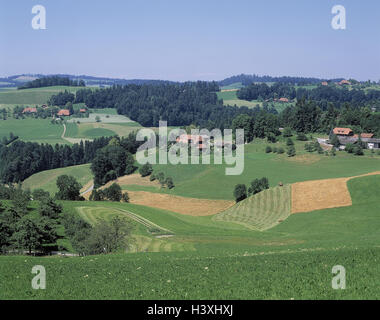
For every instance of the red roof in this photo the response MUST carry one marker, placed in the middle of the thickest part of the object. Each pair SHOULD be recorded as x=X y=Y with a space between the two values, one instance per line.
x=364 y=135
x=29 y=110
x=342 y=131
x=284 y=99
x=344 y=82
x=63 y=112
x=325 y=83
x=82 y=110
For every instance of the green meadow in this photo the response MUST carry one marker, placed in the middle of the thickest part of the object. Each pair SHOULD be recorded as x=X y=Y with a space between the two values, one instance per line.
x=33 y=130
x=35 y=96
x=206 y=259
x=47 y=179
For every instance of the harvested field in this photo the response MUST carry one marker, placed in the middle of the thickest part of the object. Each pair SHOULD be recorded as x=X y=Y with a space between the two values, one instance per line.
x=304 y=158
x=183 y=205
x=322 y=194
x=134 y=179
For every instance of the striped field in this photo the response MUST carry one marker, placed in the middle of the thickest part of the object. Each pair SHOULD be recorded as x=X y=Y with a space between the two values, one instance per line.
x=261 y=211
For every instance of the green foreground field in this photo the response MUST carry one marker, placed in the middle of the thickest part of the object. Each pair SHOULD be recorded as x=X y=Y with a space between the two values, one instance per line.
x=219 y=260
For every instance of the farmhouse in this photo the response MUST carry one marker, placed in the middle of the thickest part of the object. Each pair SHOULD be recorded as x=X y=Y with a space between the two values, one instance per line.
x=324 y=83
x=30 y=110
x=63 y=112
x=283 y=100
x=345 y=132
x=344 y=82
x=82 y=110
x=198 y=140
x=346 y=136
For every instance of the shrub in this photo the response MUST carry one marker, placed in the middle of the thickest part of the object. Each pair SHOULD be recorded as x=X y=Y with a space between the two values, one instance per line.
x=240 y=192
x=125 y=197
x=268 y=149
x=280 y=150
x=301 y=137
x=169 y=182
x=291 y=152
x=287 y=132
x=289 y=142
x=113 y=193
x=146 y=170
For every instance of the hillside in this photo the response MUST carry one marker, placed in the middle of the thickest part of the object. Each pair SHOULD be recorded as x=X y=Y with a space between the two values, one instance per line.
x=254 y=264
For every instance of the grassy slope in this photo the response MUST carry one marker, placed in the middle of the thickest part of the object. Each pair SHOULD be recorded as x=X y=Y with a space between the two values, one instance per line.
x=47 y=179
x=261 y=211
x=292 y=260
x=210 y=181
x=34 y=130
x=35 y=96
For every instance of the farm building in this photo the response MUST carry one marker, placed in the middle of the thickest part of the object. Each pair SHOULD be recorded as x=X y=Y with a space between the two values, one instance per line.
x=63 y=112
x=198 y=140
x=344 y=82
x=324 y=83
x=283 y=100
x=346 y=136
x=82 y=110
x=30 y=110
x=346 y=132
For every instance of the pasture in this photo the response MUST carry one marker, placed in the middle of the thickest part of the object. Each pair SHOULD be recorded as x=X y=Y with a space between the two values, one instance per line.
x=219 y=260
x=47 y=179
x=33 y=130
x=35 y=96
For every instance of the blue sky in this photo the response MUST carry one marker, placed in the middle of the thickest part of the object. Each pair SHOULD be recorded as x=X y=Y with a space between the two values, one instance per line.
x=190 y=40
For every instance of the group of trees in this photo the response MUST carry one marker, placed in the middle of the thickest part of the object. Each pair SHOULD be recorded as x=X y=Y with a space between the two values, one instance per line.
x=256 y=186
x=5 y=141
x=25 y=228
x=61 y=99
x=321 y=94
x=306 y=117
x=178 y=103
x=264 y=91
x=52 y=81
x=20 y=160
x=102 y=238
x=112 y=193
x=111 y=162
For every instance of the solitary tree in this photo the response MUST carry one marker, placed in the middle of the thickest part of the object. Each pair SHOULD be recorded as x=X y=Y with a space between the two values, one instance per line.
x=68 y=188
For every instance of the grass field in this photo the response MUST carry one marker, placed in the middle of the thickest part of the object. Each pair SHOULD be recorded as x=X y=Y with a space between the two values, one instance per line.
x=261 y=211
x=221 y=260
x=36 y=96
x=34 y=130
x=47 y=179
x=210 y=181
x=230 y=98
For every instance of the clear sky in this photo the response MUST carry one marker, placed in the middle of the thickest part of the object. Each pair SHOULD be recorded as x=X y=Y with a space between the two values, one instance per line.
x=191 y=39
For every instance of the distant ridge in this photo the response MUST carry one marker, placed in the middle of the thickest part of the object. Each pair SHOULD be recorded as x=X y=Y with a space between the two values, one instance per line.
x=247 y=79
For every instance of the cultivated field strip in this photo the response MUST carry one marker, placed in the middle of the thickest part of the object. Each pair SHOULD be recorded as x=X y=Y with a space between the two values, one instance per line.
x=261 y=211
x=92 y=215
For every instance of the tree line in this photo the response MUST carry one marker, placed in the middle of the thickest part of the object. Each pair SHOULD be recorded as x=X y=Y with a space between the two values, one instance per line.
x=179 y=104
x=321 y=94
x=52 y=81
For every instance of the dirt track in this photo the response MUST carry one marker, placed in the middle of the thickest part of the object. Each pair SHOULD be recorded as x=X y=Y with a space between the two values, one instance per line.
x=322 y=194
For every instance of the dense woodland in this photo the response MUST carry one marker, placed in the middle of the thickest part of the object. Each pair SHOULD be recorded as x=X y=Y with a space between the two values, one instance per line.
x=179 y=104
x=247 y=79
x=52 y=81
x=20 y=160
x=321 y=94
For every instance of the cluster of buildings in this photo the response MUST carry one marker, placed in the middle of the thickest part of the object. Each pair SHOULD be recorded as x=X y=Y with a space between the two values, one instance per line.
x=60 y=113
x=346 y=136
